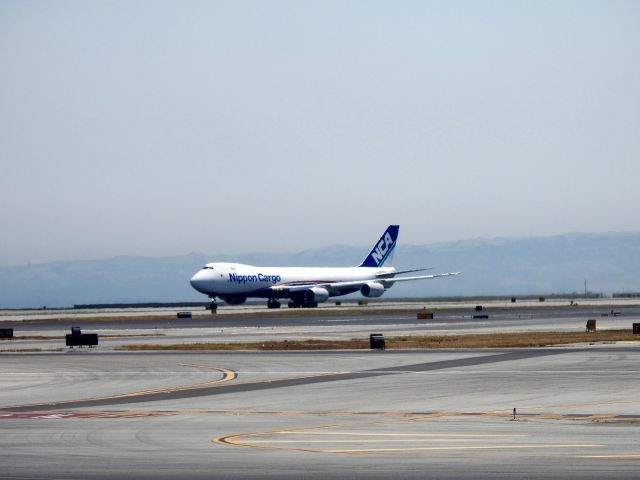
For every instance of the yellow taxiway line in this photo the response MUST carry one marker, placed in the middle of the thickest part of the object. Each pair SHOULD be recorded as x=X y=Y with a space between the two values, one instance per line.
x=413 y=435
x=227 y=376
x=462 y=447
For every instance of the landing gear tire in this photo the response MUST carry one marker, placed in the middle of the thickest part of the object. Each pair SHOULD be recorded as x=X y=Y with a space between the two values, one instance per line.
x=273 y=303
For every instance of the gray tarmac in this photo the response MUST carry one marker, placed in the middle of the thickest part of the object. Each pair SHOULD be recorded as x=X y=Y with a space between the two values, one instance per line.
x=103 y=413
x=346 y=414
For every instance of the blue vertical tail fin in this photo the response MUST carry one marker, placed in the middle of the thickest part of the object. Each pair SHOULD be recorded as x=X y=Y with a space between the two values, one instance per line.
x=383 y=249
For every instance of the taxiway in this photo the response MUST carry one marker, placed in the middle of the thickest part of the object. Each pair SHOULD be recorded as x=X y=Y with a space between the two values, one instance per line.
x=444 y=414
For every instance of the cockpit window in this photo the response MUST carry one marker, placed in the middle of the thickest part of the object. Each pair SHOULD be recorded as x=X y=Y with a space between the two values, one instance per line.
x=207 y=268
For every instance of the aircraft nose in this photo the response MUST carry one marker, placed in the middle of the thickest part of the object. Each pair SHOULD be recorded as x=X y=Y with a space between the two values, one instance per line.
x=198 y=282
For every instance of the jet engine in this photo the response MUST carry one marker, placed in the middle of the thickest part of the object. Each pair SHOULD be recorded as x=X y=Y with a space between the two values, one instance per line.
x=316 y=294
x=235 y=300
x=372 y=289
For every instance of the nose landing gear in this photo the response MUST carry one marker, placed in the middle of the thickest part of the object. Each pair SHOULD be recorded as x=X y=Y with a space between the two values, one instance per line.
x=213 y=306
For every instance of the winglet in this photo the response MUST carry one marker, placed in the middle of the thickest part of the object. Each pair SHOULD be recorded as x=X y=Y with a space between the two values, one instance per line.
x=383 y=249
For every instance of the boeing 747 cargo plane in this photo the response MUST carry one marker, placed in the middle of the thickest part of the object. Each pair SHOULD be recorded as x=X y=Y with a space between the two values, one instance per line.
x=304 y=286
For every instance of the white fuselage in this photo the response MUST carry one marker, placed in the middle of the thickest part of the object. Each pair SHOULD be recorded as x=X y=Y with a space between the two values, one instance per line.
x=224 y=279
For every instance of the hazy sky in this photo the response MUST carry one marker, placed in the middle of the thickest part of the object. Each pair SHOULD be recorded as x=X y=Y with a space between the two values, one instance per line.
x=163 y=128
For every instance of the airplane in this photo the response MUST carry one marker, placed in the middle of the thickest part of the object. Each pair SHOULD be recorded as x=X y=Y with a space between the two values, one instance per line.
x=305 y=286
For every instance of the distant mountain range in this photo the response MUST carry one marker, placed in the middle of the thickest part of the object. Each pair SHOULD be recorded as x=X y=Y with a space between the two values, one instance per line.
x=610 y=262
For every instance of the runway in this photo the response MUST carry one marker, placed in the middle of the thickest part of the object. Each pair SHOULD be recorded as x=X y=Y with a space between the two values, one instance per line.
x=419 y=414
x=47 y=334
x=457 y=318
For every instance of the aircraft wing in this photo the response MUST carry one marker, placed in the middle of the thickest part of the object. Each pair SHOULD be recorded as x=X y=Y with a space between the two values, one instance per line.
x=421 y=277
x=335 y=287
x=358 y=283
x=330 y=286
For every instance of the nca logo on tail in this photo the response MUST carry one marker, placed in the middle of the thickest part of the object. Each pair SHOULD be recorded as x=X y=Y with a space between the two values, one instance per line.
x=382 y=248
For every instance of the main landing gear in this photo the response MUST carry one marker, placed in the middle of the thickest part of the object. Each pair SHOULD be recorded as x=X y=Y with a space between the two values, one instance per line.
x=273 y=303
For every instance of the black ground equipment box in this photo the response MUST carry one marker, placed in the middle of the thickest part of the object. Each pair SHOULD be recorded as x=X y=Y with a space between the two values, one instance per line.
x=6 y=332
x=376 y=341
x=79 y=339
